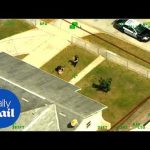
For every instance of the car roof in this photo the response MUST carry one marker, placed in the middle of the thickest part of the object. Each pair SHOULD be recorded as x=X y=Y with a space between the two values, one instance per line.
x=132 y=22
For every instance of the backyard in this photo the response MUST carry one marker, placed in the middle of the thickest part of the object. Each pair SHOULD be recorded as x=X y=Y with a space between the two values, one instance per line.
x=63 y=58
x=127 y=89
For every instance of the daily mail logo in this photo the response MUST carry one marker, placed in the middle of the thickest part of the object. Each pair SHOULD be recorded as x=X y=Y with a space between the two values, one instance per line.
x=9 y=108
x=6 y=104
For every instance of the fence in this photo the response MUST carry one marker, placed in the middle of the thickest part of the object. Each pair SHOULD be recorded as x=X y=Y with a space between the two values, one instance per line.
x=93 y=48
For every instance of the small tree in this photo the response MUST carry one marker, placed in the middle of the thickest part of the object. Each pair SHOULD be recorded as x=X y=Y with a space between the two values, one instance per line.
x=105 y=84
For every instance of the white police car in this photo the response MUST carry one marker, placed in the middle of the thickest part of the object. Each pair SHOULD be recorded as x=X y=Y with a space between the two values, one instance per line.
x=133 y=28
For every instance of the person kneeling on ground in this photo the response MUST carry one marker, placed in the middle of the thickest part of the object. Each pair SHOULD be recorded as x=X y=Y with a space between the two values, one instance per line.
x=59 y=69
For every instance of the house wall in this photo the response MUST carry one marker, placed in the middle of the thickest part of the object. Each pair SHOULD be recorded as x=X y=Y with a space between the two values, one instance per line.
x=97 y=122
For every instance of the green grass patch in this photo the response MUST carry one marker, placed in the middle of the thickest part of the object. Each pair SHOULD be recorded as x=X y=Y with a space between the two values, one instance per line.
x=128 y=89
x=63 y=58
x=12 y=27
x=121 y=45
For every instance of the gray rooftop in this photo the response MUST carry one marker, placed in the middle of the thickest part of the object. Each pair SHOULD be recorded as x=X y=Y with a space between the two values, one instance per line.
x=31 y=103
x=40 y=88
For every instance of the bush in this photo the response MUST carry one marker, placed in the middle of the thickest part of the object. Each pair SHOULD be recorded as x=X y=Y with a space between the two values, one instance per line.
x=105 y=84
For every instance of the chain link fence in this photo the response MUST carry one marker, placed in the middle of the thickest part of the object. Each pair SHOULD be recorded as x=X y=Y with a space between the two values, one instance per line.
x=95 y=49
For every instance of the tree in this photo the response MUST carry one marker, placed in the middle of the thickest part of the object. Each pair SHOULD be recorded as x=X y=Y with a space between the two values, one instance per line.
x=105 y=84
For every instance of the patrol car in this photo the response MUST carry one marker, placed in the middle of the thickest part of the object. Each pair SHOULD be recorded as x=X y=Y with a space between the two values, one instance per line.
x=133 y=28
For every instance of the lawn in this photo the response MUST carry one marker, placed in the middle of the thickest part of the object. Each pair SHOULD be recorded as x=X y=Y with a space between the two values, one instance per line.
x=21 y=56
x=63 y=58
x=121 y=44
x=13 y=26
x=48 y=20
x=127 y=89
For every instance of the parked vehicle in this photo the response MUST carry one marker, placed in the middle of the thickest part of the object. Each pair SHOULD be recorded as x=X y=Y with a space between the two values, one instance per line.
x=133 y=28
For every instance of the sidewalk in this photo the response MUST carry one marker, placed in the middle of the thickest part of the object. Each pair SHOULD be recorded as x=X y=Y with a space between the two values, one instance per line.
x=45 y=52
x=54 y=44
x=86 y=70
x=23 y=43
